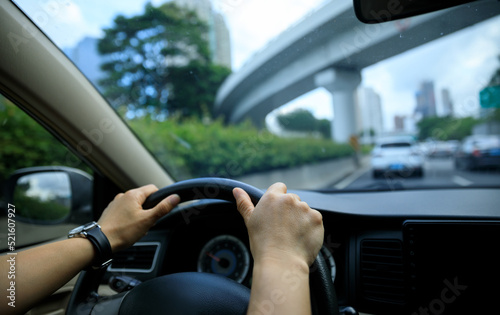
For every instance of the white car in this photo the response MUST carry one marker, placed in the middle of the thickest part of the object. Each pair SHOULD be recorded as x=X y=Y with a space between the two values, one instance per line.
x=397 y=155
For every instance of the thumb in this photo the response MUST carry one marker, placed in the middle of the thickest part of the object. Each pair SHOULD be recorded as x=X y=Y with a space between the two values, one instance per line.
x=165 y=206
x=243 y=202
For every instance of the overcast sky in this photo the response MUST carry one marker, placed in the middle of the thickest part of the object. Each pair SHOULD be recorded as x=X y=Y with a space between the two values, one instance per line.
x=462 y=62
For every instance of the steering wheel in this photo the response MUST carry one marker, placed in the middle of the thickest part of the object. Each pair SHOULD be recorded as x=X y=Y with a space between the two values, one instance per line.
x=192 y=292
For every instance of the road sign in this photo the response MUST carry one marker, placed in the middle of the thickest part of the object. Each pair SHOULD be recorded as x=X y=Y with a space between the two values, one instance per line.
x=490 y=97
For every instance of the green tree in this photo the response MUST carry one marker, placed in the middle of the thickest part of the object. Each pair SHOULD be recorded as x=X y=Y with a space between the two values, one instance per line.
x=495 y=78
x=325 y=128
x=495 y=115
x=195 y=87
x=25 y=143
x=446 y=128
x=303 y=120
x=151 y=58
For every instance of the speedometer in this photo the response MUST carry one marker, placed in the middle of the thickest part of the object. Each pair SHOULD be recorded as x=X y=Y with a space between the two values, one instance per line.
x=225 y=255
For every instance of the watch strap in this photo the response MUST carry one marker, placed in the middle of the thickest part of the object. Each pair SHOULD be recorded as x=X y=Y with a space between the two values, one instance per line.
x=102 y=247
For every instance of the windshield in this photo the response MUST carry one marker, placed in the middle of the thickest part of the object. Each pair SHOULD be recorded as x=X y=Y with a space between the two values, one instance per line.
x=296 y=91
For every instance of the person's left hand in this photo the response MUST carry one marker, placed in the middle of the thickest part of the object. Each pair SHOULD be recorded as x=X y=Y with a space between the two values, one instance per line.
x=124 y=221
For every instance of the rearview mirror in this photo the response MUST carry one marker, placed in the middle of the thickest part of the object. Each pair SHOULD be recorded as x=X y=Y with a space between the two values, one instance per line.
x=378 y=11
x=50 y=195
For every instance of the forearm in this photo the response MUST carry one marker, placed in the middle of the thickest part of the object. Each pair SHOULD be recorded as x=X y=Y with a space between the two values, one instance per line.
x=42 y=270
x=280 y=287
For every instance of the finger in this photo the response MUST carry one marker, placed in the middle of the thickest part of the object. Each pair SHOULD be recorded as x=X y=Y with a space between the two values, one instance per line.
x=295 y=196
x=165 y=206
x=143 y=192
x=243 y=203
x=277 y=188
x=316 y=216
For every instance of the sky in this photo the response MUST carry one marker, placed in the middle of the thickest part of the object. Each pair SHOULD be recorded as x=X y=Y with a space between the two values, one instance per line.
x=47 y=185
x=462 y=62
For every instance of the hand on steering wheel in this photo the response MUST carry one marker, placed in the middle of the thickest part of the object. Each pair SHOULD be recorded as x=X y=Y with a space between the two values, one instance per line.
x=218 y=294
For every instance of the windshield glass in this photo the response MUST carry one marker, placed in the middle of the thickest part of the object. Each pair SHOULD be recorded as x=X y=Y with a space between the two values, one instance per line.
x=295 y=91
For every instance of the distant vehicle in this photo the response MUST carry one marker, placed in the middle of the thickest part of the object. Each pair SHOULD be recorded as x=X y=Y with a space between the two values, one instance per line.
x=397 y=155
x=442 y=149
x=477 y=152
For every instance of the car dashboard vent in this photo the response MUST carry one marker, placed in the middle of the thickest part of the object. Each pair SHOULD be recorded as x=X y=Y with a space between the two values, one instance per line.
x=141 y=257
x=382 y=271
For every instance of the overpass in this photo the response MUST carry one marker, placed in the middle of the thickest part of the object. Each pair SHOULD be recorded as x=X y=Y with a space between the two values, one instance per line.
x=328 y=48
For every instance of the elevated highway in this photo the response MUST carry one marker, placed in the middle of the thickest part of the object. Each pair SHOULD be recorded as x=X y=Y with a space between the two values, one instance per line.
x=329 y=48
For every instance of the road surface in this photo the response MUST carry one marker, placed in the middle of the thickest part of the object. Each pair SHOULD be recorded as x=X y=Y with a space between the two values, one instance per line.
x=437 y=173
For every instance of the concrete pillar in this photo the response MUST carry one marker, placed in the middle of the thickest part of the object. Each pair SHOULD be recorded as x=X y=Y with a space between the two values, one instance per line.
x=342 y=84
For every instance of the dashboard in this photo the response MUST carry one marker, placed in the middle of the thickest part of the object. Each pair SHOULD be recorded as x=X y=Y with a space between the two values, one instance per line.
x=403 y=252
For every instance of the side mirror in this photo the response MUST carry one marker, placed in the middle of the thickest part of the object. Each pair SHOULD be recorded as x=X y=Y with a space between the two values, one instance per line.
x=50 y=195
x=378 y=11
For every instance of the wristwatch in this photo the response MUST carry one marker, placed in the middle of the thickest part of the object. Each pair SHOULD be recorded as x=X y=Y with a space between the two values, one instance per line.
x=92 y=232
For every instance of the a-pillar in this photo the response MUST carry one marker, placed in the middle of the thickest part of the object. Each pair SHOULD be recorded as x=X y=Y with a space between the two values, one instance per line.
x=342 y=84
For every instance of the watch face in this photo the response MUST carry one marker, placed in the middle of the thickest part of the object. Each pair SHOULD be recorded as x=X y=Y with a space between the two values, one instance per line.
x=89 y=226
x=82 y=228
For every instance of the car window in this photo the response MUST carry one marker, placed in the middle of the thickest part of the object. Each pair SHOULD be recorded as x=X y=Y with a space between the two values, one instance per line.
x=228 y=89
x=25 y=220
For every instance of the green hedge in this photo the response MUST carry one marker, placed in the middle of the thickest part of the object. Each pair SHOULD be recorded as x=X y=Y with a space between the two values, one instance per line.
x=188 y=148
x=194 y=149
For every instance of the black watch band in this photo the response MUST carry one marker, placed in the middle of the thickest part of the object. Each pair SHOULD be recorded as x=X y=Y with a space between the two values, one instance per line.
x=102 y=247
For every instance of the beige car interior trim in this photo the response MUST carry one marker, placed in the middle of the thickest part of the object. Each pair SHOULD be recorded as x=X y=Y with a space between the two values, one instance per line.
x=45 y=83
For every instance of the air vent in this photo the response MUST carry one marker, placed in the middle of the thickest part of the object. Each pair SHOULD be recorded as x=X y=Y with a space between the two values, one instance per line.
x=382 y=271
x=139 y=258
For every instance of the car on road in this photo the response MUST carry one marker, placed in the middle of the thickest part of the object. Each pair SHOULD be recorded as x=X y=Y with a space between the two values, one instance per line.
x=442 y=149
x=478 y=151
x=397 y=155
x=99 y=97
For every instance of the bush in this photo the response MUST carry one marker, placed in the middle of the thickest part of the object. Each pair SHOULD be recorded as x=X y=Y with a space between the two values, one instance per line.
x=25 y=143
x=186 y=149
x=195 y=149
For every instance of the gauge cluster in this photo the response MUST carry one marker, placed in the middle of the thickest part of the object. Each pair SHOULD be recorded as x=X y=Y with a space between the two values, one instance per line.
x=219 y=244
x=225 y=255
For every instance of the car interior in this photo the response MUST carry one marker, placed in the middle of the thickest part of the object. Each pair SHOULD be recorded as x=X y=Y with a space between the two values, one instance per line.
x=390 y=249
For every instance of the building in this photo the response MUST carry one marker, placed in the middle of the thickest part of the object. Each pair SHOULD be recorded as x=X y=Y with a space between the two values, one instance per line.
x=399 y=123
x=86 y=57
x=368 y=112
x=447 y=103
x=218 y=35
x=426 y=101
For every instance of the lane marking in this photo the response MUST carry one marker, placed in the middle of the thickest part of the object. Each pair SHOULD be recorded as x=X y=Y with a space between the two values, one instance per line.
x=351 y=178
x=459 y=180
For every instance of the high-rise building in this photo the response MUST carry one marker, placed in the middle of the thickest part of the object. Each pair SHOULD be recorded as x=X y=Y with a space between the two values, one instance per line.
x=447 y=103
x=218 y=34
x=369 y=112
x=426 y=101
x=399 y=123
x=88 y=59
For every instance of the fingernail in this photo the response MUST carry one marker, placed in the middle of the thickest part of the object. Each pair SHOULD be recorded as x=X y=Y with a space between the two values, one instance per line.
x=236 y=192
x=174 y=199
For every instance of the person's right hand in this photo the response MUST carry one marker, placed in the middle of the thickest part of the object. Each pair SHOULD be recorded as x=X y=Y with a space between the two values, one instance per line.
x=281 y=227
